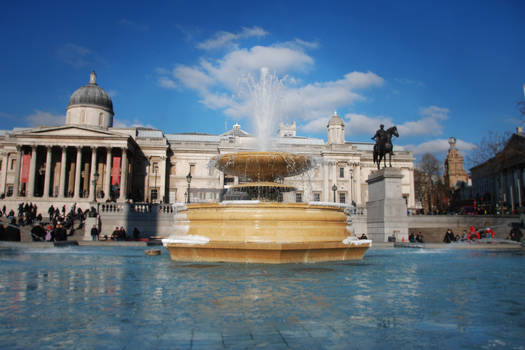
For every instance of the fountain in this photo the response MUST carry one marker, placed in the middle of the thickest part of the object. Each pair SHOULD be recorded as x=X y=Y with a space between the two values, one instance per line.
x=262 y=229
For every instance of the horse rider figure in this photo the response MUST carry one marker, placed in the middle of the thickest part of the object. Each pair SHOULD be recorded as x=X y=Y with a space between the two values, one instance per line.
x=381 y=138
x=383 y=144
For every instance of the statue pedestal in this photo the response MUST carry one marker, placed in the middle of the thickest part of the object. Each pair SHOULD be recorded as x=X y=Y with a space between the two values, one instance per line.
x=386 y=208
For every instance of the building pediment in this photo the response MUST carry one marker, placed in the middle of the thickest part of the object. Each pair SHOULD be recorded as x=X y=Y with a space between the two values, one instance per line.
x=69 y=131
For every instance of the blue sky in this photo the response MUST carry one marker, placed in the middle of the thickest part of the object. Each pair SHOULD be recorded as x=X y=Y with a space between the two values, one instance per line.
x=434 y=69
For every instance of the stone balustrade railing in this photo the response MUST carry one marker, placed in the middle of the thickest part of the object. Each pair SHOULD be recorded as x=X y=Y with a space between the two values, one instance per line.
x=136 y=209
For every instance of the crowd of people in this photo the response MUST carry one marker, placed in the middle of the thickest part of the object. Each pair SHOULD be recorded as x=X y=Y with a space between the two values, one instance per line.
x=416 y=238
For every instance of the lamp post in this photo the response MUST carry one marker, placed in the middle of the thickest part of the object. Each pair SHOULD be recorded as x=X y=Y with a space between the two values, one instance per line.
x=188 y=179
x=334 y=188
x=94 y=182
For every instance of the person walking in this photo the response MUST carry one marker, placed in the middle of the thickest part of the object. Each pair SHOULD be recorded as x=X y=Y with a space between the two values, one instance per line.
x=94 y=233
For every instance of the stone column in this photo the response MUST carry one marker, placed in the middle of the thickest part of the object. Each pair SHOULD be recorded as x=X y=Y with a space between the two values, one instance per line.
x=62 y=182
x=162 y=182
x=78 y=166
x=326 y=186
x=32 y=171
x=3 y=175
x=107 y=175
x=124 y=176
x=92 y=171
x=17 y=171
x=47 y=178
x=357 y=179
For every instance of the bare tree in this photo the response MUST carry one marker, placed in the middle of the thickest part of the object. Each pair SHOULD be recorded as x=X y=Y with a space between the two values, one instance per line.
x=488 y=147
x=429 y=175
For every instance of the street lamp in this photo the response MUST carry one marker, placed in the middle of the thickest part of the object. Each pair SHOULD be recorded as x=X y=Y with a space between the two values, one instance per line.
x=334 y=188
x=188 y=179
x=94 y=182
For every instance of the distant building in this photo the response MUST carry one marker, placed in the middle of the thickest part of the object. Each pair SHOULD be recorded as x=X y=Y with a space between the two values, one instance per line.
x=500 y=180
x=454 y=171
x=88 y=157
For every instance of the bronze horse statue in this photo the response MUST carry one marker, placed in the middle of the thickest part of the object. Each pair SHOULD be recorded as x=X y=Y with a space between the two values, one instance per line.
x=384 y=146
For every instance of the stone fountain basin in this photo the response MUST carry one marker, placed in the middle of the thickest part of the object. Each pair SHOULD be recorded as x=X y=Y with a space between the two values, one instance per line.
x=262 y=166
x=263 y=233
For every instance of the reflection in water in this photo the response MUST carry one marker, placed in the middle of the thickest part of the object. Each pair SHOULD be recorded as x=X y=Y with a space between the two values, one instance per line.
x=118 y=297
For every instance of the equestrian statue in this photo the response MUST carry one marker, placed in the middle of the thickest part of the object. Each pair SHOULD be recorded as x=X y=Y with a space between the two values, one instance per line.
x=383 y=145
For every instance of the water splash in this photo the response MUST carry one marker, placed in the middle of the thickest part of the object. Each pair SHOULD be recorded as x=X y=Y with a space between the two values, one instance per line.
x=266 y=96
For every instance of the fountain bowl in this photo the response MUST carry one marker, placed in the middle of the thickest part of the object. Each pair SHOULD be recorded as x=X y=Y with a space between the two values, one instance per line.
x=263 y=232
x=262 y=166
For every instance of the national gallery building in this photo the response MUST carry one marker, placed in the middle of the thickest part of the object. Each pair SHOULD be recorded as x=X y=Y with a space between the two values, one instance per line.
x=88 y=159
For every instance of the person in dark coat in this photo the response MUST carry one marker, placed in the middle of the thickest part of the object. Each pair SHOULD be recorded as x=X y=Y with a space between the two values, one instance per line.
x=38 y=233
x=12 y=233
x=60 y=233
x=94 y=233
x=2 y=232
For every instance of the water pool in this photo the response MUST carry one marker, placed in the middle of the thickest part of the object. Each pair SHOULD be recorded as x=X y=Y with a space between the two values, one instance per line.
x=119 y=298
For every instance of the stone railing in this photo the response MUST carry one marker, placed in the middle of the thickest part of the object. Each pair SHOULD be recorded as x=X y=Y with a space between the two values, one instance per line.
x=136 y=208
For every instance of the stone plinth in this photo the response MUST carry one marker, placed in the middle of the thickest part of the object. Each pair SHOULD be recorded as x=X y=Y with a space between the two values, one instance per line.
x=386 y=208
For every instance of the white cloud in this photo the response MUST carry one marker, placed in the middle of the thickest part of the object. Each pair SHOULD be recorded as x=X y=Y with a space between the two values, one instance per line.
x=226 y=39
x=438 y=146
x=78 y=56
x=40 y=118
x=135 y=123
x=430 y=124
x=167 y=83
x=316 y=126
x=362 y=124
x=223 y=84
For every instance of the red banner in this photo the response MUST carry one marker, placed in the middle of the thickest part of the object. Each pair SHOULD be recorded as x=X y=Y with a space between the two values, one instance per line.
x=115 y=171
x=26 y=161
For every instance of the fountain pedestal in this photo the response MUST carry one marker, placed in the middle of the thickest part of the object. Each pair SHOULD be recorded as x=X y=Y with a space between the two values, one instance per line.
x=386 y=208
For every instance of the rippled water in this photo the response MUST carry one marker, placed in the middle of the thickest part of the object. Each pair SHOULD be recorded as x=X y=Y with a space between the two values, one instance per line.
x=119 y=298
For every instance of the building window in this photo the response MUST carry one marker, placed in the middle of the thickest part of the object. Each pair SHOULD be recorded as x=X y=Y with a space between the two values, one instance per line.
x=173 y=169
x=298 y=197
x=1 y=163
x=155 y=167
x=192 y=169
x=342 y=197
x=153 y=194
x=228 y=179
x=13 y=162
x=9 y=190
x=317 y=196
x=341 y=172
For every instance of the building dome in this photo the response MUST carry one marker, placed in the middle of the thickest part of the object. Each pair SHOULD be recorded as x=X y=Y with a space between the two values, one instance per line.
x=91 y=95
x=336 y=120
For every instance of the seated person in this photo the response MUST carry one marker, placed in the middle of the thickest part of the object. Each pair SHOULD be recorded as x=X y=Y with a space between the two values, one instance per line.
x=449 y=237
x=419 y=238
x=412 y=238
x=116 y=234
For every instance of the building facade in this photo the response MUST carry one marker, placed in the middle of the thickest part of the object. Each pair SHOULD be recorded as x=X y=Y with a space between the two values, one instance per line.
x=499 y=182
x=87 y=159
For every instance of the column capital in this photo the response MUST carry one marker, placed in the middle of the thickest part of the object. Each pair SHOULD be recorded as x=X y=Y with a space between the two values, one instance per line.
x=18 y=148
